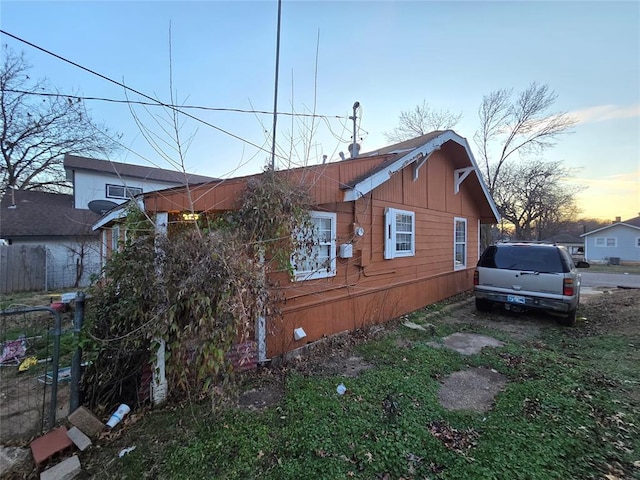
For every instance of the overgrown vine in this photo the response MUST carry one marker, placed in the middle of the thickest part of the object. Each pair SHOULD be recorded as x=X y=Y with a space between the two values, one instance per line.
x=200 y=288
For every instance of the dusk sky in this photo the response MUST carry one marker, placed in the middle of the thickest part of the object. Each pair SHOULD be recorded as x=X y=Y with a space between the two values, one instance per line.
x=389 y=56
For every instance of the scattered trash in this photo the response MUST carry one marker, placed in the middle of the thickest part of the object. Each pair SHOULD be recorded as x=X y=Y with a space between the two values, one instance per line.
x=27 y=363
x=124 y=451
x=341 y=389
x=118 y=415
x=429 y=327
x=64 y=375
x=413 y=326
x=13 y=351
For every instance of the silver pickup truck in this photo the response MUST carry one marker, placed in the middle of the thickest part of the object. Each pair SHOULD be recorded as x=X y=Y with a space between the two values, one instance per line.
x=523 y=276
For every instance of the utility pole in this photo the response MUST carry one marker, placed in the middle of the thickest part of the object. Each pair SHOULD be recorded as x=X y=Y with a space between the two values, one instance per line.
x=275 y=94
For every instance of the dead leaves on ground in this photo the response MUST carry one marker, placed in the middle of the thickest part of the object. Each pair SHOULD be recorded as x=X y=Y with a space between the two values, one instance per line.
x=460 y=441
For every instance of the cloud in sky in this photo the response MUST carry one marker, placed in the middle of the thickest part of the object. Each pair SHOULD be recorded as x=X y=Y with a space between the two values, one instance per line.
x=601 y=113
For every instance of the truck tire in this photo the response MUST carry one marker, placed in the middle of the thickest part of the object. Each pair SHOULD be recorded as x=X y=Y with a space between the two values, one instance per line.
x=482 y=305
x=569 y=320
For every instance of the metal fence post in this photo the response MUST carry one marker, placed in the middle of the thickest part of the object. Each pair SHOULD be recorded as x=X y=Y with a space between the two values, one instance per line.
x=76 y=361
x=57 y=331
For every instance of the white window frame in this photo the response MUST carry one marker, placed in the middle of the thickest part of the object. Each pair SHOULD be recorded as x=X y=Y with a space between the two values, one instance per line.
x=637 y=242
x=391 y=234
x=606 y=242
x=127 y=192
x=330 y=269
x=457 y=243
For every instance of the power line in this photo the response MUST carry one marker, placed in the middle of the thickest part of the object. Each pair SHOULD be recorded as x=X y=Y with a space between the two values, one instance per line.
x=186 y=107
x=137 y=92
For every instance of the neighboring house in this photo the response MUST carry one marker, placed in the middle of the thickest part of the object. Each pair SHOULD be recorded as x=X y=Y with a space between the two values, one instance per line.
x=615 y=243
x=112 y=183
x=48 y=219
x=574 y=244
x=399 y=229
x=62 y=223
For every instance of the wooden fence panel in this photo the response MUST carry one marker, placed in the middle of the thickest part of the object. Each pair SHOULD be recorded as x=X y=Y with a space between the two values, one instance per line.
x=22 y=268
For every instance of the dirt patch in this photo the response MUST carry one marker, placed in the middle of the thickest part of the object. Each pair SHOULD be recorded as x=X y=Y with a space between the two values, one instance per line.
x=614 y=311
x=472 y=389
x=258 y=398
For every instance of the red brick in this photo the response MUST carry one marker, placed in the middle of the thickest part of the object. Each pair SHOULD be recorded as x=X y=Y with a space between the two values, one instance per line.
x=45 y=447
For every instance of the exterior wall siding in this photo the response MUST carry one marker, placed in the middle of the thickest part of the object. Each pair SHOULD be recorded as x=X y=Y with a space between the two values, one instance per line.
x=90 y=186
x=368 y=289
x=626 y=248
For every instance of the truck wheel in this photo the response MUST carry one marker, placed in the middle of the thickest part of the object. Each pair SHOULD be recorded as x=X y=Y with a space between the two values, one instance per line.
x=482 y=305
x=569 y=320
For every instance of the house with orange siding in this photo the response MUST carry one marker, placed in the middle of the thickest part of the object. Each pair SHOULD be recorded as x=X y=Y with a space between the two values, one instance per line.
x=398 y=229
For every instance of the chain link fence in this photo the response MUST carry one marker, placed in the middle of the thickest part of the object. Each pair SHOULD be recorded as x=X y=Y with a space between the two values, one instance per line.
x=36 y=346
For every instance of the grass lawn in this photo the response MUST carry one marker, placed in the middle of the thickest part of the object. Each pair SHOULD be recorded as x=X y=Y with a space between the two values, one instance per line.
x=570 y=410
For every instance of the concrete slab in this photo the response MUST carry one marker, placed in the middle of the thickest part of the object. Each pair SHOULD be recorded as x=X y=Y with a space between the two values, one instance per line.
x=472 y=389
x=470 y=343
x=66 y=470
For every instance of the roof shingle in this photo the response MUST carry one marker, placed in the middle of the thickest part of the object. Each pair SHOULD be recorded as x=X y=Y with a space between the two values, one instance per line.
x=41 y=214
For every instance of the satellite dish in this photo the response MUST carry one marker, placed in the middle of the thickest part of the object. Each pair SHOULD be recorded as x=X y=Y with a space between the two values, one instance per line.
x=101 y=206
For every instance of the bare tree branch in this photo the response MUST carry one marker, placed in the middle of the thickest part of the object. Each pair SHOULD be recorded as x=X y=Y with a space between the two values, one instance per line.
x=36 y=133
x=421 y=120
x=523 y=125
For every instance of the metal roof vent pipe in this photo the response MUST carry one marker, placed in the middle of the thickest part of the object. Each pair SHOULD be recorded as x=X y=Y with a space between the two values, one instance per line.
x=354 y=148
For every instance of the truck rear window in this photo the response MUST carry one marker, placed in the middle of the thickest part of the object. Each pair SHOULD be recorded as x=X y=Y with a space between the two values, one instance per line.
x=523 y=257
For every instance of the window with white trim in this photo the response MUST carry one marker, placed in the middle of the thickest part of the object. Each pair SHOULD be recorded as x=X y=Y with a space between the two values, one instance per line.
x=460 y=243
x=606 y=242
x=400 y=237
x=319 y=259
x=638 y=242
x=120 y=191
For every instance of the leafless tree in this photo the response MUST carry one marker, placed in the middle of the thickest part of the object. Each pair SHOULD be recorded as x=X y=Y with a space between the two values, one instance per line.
x=421 y=120
x=522 y=125
x=36 y=130
x=533 y=196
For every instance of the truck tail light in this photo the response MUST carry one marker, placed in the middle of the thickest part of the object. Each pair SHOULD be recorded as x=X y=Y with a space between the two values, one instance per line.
x=476 y=278
x=567 y=287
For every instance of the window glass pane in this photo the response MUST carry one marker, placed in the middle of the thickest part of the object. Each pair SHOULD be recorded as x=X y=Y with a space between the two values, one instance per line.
x=460 y=232
x=403 y=242
x=403 y=223
x=611 y=242
x=599 y=242
x=460 y=254
x=323 y=229
x=115 y=191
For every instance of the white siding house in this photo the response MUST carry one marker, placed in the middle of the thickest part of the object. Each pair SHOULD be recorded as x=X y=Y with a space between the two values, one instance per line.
x=63 y=223
x=115 y=182
x=615 y=243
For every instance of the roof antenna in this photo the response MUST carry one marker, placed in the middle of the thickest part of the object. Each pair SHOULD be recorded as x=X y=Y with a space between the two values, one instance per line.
x=354 y=148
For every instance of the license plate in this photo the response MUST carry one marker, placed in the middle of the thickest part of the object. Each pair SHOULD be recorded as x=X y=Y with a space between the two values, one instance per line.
x=515 y=299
